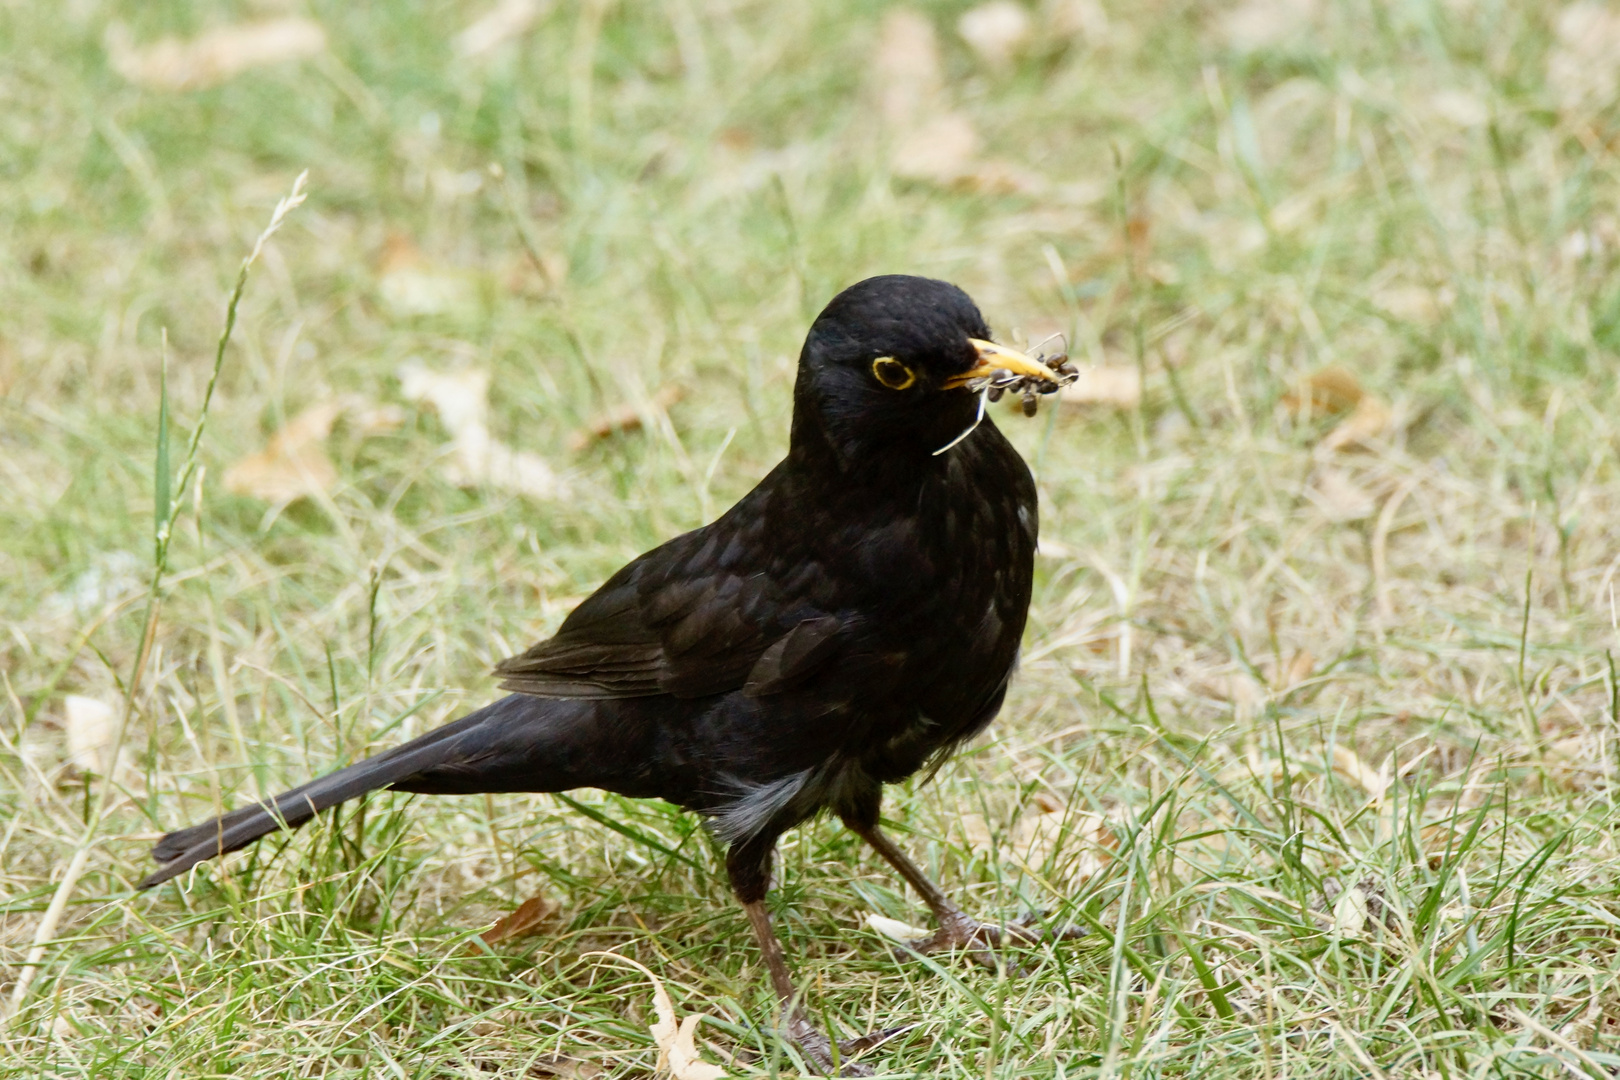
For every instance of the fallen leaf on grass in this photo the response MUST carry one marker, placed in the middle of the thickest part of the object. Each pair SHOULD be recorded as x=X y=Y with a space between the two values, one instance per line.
x=1366 y=422
x=531 y=917
x=1047 y=803
x=1298 y=670
x=1325 y=392
x=1347 y=763
x=508 y=19
x=624 y=418
x=677 y=1041
x=410 y=285
x=941 y=149
x=1350 y=913
x=1117 y=386
x=910 y=78
x=462 y=402
x=997 y=31
x=91 y=727
x=1331 y=391
x=212 y=57
x=929 y=141
x=294 y=463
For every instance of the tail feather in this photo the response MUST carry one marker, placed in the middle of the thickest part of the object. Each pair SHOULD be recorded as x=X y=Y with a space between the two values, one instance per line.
x=519 y=743
x=182 y=849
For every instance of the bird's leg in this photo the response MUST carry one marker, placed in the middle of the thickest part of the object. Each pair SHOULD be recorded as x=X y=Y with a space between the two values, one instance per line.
x=806 y=1036
x=749 y=866
x=956 y=929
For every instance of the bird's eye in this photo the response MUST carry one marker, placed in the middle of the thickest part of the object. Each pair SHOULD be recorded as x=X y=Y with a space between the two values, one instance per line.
x=892 y=373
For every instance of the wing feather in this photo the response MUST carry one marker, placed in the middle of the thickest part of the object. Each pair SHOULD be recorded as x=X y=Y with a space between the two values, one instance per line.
x=694 y=617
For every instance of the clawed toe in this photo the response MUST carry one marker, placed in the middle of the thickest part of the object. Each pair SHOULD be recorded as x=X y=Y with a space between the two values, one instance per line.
x=818 y=1049
x=980 y=940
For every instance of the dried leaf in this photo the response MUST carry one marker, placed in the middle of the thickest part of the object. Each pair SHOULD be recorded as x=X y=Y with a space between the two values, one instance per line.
x=1348 y=764
x=684 y=1060
x=1116 y=386
x=409 y=285
x=677 y=1049
x=894 y=929
x=481 y=459
x=996 y=31
x=461 y=398
x=930 y=141
x=1047 y=803
x=214 y=56
x=1368 y=420
x=507 y=20
x=1299 y=669
x=294 y=463
x=531 y=917
x=462 y=402
x=906 y=66
x=1350 y=913
x=624 y=418
x=1326 y=392
x=941 y=150
x=91 y=726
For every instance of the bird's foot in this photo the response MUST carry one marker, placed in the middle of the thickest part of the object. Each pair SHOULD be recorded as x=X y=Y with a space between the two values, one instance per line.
x=818 y=1049
x=957 y=931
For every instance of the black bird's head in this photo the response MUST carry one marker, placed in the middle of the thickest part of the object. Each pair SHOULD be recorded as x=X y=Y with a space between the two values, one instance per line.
x=885 y=366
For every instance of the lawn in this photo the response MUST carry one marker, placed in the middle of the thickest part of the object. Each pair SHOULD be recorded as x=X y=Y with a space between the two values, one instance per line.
x=1318 y=724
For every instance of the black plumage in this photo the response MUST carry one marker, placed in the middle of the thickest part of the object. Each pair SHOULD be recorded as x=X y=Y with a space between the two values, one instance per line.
x=849 y=622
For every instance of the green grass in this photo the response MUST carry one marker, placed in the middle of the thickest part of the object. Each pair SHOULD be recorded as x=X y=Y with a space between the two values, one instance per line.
x=1234 y=628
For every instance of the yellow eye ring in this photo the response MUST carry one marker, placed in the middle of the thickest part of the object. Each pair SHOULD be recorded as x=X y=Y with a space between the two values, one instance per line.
x=892 y=373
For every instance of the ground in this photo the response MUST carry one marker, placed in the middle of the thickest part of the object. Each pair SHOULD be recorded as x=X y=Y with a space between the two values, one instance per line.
x=1316 y=729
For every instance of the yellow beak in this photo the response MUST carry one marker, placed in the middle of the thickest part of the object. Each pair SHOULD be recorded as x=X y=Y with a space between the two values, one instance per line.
x=993 y=357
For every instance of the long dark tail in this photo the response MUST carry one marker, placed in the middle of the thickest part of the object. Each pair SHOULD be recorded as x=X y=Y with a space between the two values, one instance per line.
x=519 y=743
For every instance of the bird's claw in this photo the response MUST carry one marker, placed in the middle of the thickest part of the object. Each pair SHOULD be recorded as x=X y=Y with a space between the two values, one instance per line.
x=818 y=1049
x=980 y=939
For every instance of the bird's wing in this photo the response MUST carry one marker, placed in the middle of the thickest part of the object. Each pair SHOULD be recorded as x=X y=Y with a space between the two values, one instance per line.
x=702 y=614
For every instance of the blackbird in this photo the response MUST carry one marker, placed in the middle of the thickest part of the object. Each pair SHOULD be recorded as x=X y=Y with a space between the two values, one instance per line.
x=851 y=621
